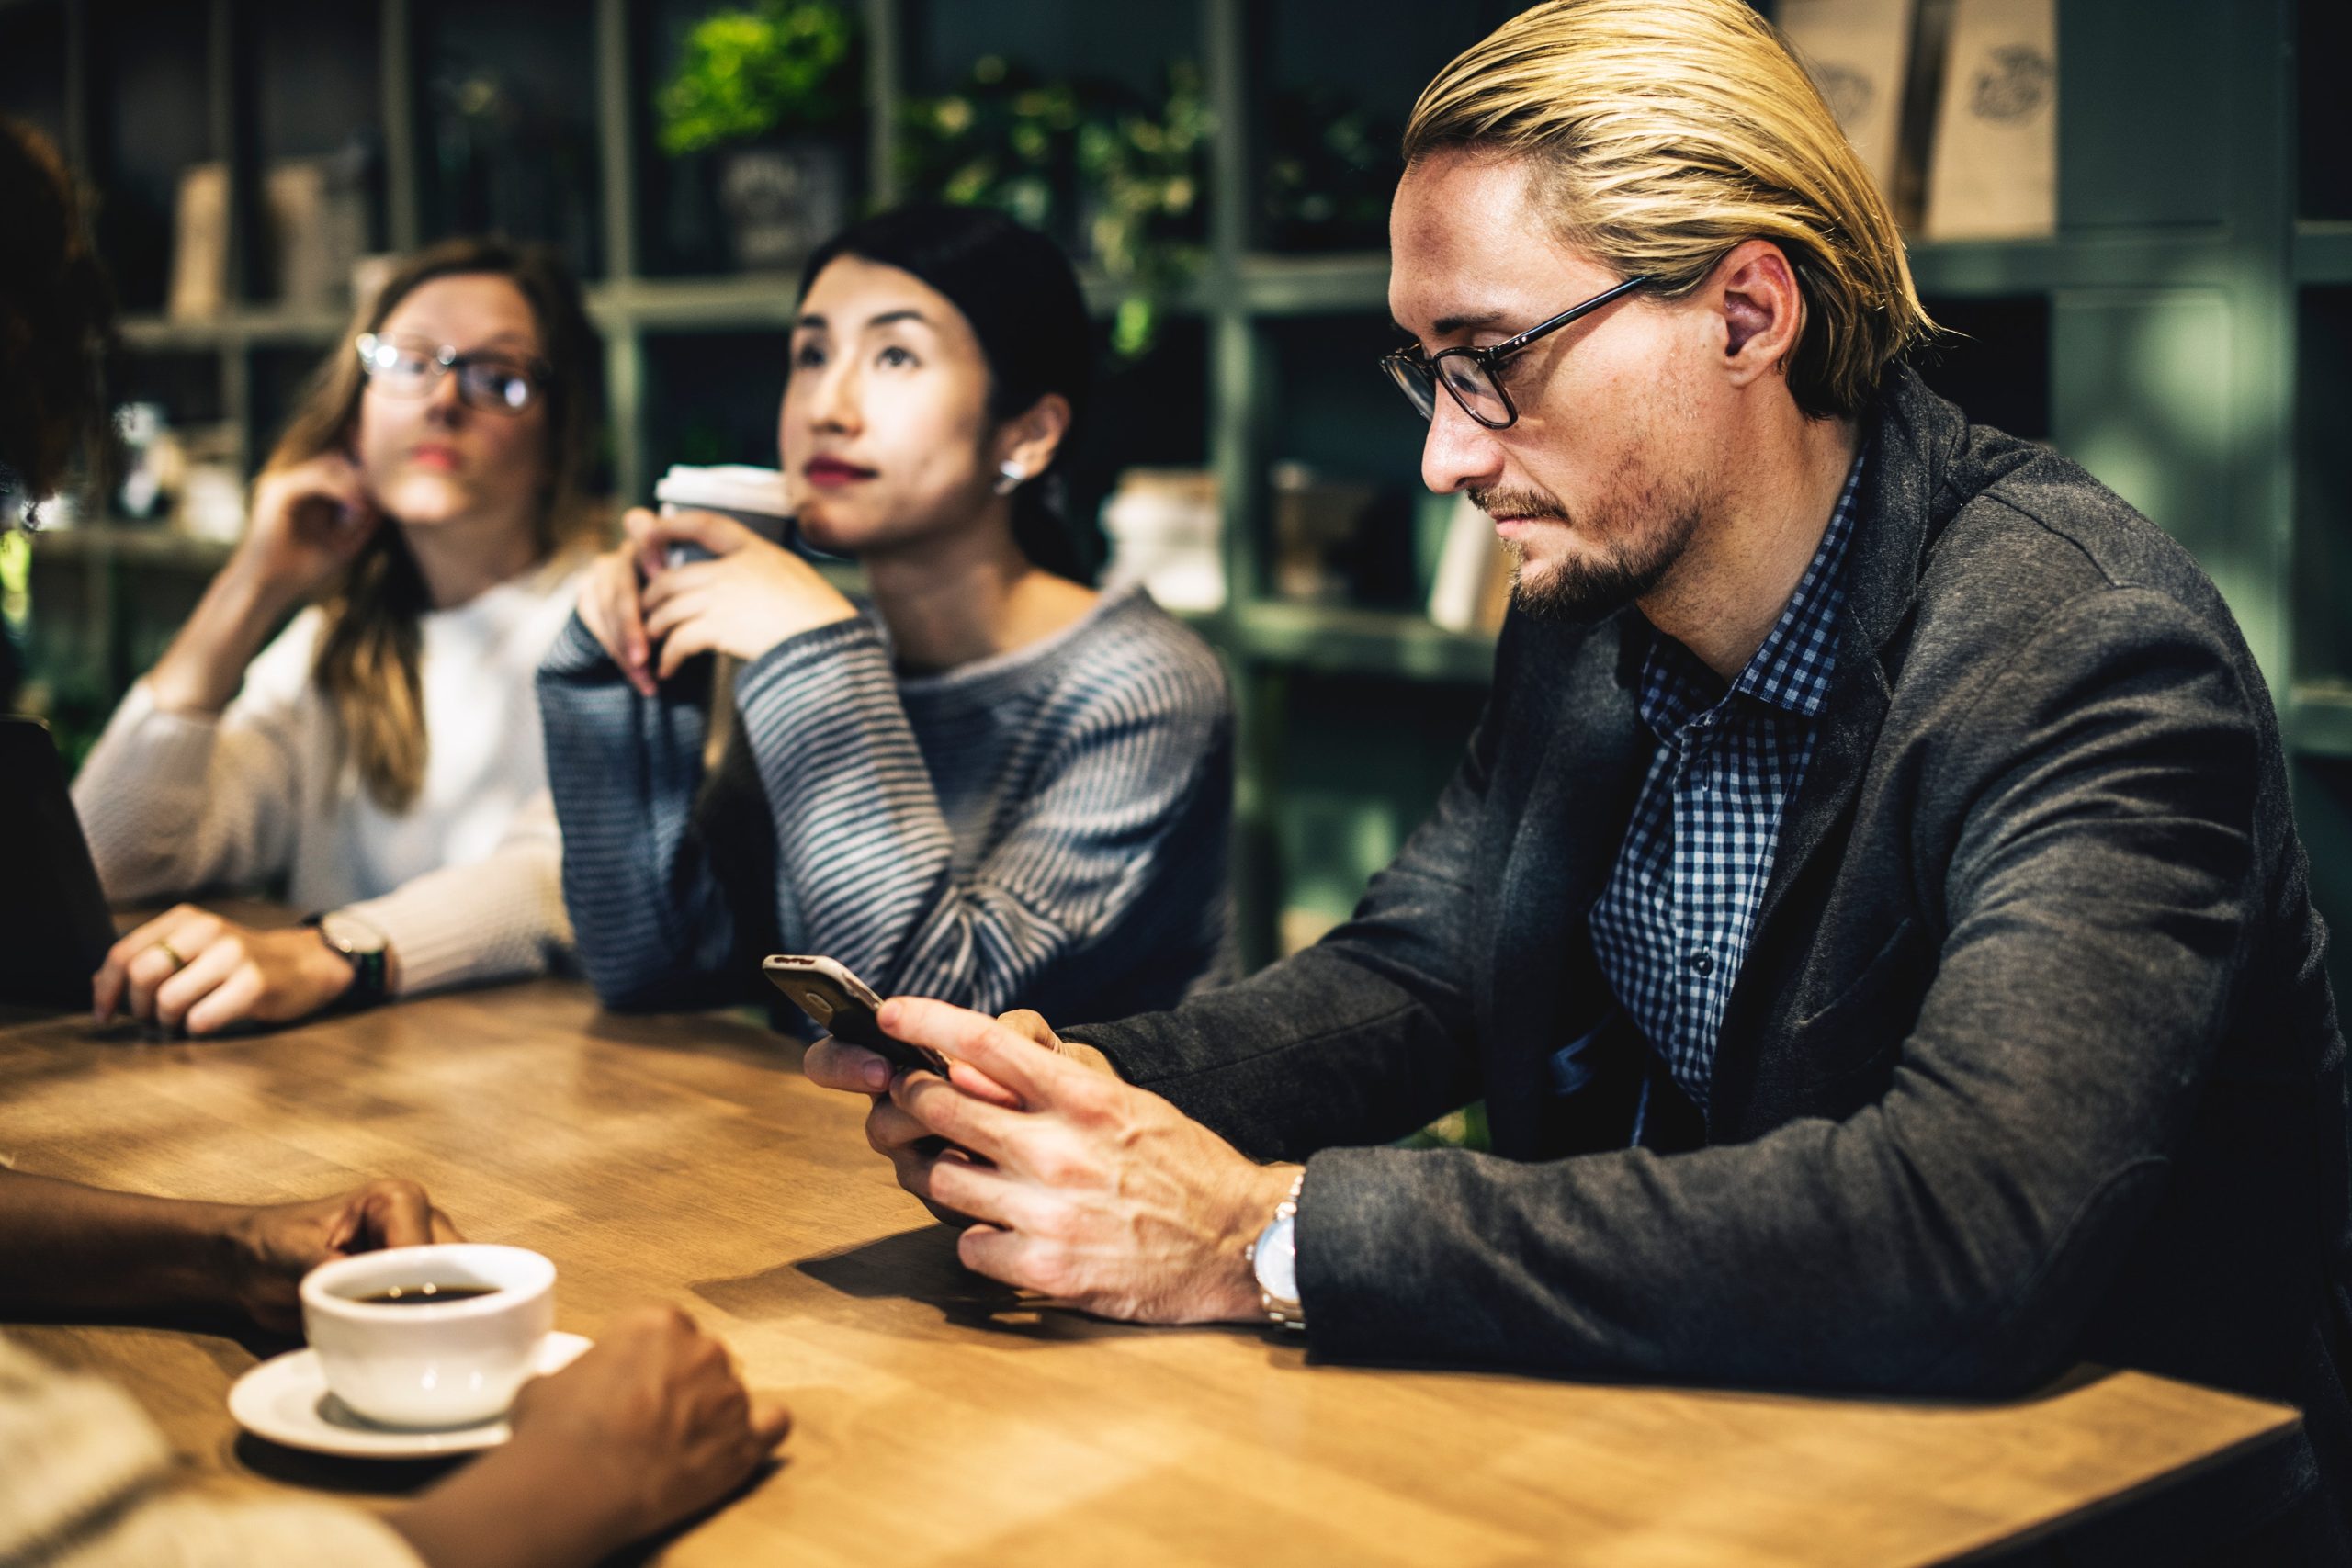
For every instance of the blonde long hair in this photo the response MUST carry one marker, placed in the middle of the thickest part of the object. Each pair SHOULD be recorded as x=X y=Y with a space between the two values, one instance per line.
x=370 y=647
x=1667 y=132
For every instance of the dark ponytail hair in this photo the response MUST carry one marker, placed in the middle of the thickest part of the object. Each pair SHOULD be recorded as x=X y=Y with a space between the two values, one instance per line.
x=1018 y=293
x=56 y=314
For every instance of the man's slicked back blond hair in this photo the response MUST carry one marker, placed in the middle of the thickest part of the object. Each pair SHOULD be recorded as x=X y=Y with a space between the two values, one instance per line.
x=1665 y=133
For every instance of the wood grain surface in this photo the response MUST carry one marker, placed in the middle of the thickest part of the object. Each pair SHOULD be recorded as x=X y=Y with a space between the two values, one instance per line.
x=942 y=1421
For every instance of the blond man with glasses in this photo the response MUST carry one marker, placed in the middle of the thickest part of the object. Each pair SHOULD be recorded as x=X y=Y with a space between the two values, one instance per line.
x=1870 y=910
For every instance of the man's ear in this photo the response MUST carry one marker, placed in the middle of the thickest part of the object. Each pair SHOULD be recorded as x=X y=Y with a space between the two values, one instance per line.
x=1031 y=438
x=1762 y=308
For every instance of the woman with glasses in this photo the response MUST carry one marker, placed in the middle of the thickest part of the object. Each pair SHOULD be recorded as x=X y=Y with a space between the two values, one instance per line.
x=424 y=519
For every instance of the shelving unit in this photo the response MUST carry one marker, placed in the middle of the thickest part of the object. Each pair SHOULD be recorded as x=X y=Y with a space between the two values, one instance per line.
x=2185 y=333
x=108 y=544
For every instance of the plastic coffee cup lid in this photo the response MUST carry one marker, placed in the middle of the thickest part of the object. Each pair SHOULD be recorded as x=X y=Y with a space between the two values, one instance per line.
x=730 y=487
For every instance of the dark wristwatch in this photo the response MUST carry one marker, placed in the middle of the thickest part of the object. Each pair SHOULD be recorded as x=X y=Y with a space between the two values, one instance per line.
x=362 y=946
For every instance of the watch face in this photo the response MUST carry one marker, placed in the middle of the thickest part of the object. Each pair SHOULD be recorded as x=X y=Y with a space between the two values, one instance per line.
x=1276 y=1262
x=351 y=935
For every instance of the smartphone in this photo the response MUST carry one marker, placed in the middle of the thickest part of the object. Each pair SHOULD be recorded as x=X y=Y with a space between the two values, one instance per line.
x=844 y=1006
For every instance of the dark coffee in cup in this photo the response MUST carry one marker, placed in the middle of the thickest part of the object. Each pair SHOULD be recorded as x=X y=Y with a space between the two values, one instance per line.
x=426 y=1295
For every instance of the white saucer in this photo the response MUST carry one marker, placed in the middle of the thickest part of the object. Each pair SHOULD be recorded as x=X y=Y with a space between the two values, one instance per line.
x=286 y=1400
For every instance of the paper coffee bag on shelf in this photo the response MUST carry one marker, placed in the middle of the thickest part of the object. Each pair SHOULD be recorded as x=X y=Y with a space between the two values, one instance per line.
x=1994 y=173
x=1166 y=528
x=316 y=210
x=201 y=245
x=1858 y=52
x=1316 y=521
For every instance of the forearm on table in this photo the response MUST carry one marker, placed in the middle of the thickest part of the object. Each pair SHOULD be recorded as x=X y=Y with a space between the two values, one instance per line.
x=1949 y=1237
x=646 y=941
x=1322 y=1049
x=862 y=850
x=65 y=1247
x=501 y=918
x=1952 y=1235
x=513 y=1508
x=650 y=926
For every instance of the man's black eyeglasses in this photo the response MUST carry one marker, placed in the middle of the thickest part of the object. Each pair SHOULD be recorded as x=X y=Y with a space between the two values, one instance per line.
x=1469 y=373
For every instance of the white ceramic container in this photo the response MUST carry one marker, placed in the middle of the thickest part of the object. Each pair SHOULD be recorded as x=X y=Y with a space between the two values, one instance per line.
x=438 y=1365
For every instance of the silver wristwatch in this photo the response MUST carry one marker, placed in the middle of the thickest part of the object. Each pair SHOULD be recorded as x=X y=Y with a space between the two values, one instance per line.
x=1273 y=1259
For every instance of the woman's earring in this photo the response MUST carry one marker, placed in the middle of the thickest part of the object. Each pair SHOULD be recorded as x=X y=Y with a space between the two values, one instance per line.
x=1011 y=477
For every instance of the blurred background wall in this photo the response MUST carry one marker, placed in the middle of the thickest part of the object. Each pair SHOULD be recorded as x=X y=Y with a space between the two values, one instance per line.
x=2136 y=213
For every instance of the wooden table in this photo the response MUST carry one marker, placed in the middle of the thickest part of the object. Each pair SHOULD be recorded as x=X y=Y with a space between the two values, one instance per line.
x=943 y=1421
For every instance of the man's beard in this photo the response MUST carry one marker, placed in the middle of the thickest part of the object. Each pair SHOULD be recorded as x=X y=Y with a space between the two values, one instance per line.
x=1581 y=587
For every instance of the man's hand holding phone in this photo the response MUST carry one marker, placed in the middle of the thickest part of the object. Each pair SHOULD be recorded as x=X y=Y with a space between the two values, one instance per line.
x=1069 y=1181
x=845 y=1008
x=838 y=1063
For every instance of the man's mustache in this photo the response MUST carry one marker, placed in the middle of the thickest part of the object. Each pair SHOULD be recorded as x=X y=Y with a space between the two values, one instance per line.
x=1517 y=503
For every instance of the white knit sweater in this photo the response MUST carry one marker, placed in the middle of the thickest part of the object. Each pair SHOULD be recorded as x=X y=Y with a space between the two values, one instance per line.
x=466 y=883
x=86 y=1482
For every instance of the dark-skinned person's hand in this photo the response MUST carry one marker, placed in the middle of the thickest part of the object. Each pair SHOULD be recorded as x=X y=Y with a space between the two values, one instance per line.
x=67 y=1249
x=270 y=1248
x=651 y=1427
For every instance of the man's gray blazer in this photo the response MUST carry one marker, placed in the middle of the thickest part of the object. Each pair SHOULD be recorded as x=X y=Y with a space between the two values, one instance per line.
x=2032 y=1061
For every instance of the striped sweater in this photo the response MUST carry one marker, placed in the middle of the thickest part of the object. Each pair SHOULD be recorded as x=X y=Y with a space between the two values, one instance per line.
x=1044 y=829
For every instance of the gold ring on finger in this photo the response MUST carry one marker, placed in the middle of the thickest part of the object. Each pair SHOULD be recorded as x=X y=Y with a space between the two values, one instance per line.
x=173 y=953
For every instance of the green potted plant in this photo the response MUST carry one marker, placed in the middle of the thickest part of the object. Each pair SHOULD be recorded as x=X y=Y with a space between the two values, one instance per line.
x=1330 y=170
x=1140 y=177
x=1116 y=178
x=761 y=85
x=1005 y=139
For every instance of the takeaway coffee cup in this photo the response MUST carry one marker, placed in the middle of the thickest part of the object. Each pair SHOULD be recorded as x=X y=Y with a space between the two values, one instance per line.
x=429 y=1335
x=753 y=497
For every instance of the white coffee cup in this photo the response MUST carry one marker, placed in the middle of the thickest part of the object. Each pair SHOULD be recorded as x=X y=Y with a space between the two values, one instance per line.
x=753 y=497
x=448 y=1363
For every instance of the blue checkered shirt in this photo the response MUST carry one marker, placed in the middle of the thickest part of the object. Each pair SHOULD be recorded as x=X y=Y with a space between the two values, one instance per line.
x=1673 y=924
